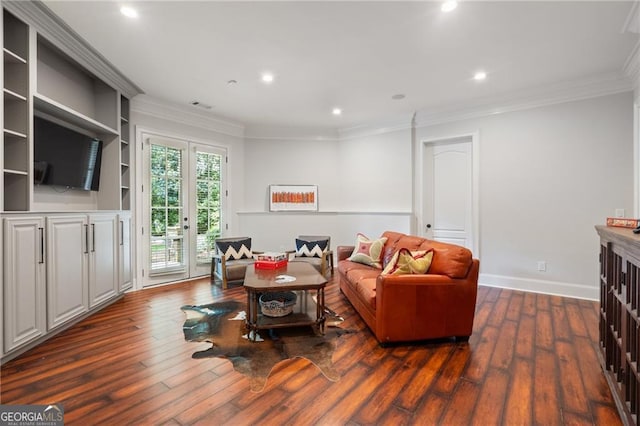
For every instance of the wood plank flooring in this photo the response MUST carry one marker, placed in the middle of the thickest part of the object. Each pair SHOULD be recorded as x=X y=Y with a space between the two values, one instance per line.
x=531 y=360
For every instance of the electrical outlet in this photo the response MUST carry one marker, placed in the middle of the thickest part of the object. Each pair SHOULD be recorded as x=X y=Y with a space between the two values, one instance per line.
x=542 y=266
x=619 y=212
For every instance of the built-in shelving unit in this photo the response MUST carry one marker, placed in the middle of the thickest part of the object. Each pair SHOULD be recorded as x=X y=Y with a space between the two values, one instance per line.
x=125 y=157
x=16 y=164
x=50 y=72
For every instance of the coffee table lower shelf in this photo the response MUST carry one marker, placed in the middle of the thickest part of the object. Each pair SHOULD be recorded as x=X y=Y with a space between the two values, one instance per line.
x=306 y=313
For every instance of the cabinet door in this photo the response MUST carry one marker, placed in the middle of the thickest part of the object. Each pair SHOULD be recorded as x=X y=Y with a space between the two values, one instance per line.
x=24 y=281
x=103 y=258
x=67 y=268
x=125 y=251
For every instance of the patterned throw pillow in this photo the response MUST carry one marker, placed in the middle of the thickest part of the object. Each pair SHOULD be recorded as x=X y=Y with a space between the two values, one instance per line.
x=234 y=250
x=409 y=262
x=368 y=252
x=311 y=248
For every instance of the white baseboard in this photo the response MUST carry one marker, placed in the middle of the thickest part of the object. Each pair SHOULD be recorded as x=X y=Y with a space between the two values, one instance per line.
x=557 y=288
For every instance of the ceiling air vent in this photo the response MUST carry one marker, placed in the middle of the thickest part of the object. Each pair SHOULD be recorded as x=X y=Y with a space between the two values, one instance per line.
x=200 y=105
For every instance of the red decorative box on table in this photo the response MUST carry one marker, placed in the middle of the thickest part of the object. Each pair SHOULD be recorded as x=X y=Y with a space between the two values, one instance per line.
x=271 y=260
x=265 y=264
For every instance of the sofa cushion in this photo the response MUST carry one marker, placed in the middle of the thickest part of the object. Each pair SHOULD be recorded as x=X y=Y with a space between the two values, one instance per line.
x=448 y=259
x=409 y=262
x=368 y=252
x=311 y=248
x=234 y=250
x=366 y=288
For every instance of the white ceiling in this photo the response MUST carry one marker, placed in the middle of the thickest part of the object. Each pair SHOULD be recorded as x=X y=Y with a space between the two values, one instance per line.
x=355 y=55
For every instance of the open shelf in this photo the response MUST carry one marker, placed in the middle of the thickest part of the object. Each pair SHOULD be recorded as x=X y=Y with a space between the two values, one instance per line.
x=16 y=164
x=125 y=158
x=56 y=109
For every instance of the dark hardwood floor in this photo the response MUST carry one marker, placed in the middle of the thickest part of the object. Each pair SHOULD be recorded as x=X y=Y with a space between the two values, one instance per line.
x=531 y=360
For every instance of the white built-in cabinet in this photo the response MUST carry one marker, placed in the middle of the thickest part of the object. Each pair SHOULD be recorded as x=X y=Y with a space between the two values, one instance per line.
x=25 y=288
x=65 y=253
x=57 y=268
x=103 y=257
x=67 y=268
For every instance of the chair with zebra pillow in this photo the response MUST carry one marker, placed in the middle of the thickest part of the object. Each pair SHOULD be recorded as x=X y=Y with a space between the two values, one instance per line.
x=230 y=259
x=316 y=250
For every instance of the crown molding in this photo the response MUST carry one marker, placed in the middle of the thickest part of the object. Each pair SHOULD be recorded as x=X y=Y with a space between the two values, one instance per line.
x=378 y=128
x=148 y=105
x=52 y=28
x=574 y=90
x=289 y=133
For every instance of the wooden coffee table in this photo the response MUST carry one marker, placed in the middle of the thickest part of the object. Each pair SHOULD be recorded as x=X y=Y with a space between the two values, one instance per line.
x=305 y=312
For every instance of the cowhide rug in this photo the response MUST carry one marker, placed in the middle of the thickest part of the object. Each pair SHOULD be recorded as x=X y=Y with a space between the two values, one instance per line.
x=222 y=324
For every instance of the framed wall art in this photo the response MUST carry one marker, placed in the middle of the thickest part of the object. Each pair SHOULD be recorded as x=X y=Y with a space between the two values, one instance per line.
x=292 y=198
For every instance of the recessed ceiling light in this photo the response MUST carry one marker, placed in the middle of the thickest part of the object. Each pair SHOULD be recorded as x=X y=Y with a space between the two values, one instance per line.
x=480 y=75
x=448 y=6
x=336 y=111
x=267 y=78
x=129 y=12
x=397 y=97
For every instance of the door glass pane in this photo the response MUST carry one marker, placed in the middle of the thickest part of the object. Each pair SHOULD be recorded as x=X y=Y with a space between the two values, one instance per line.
x=208 y=171
x=167 y=243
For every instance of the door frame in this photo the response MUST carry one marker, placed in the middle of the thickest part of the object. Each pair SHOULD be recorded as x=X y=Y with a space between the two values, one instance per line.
x=474 y=139
x=138 y=242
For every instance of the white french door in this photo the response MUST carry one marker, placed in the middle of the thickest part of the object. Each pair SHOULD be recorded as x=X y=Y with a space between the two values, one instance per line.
x=182 y=207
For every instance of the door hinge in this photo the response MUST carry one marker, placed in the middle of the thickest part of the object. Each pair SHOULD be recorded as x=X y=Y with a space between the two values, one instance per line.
x=226 y=159
x=142 y=146
x=143 y=272
x=226 y=192
x=142 y=188
x=226 y=226
x=142 y=228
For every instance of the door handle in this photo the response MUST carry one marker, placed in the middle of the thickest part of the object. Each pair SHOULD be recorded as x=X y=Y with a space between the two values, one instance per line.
x=41 y=245
x=93 y=237
x=428 y=226
x=122 y=232
x=86 y=239
x=186 y=227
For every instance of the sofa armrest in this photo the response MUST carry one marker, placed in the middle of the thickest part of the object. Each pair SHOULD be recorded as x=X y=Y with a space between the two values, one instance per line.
x=344 y=252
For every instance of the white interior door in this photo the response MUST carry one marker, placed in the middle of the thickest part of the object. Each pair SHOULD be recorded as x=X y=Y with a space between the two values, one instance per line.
x=448 y=200
x=182 y=208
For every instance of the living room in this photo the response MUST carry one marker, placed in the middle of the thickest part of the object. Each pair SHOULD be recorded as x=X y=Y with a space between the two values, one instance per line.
x=551 y=159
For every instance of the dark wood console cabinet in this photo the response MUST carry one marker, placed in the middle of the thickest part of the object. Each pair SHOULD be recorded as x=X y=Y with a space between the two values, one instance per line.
x=619 y=321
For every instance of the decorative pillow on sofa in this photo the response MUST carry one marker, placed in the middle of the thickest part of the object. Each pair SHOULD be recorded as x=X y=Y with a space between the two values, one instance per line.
x=311 y=248
x=368 y=252
x=234 y=250
x=409 y=262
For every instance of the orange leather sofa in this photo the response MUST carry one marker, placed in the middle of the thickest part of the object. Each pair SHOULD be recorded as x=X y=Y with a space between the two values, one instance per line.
x=404 y=308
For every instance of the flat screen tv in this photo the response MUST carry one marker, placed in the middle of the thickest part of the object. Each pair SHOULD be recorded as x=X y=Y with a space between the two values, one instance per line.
x=65 y=157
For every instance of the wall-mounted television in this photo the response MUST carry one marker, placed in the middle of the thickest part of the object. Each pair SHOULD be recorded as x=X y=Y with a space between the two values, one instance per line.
x=65 y=157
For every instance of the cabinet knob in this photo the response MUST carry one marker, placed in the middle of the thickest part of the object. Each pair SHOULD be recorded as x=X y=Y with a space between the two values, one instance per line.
x=186 y=227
